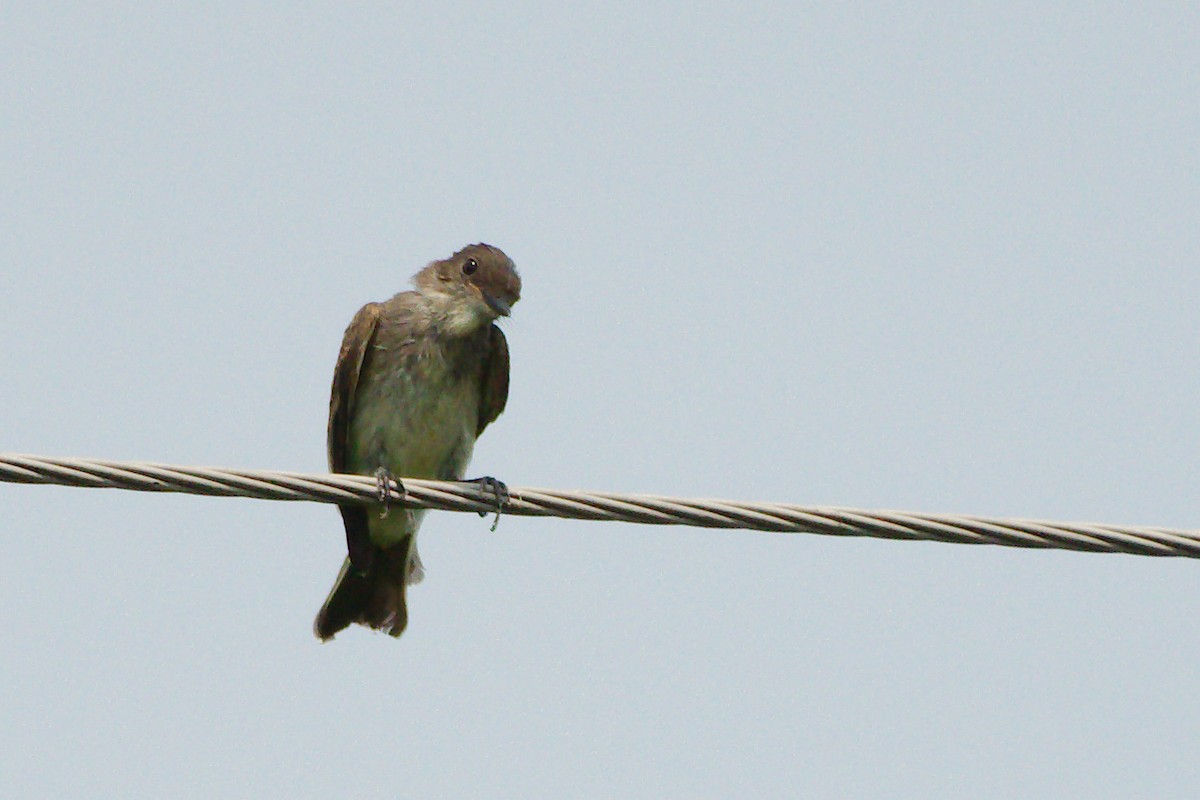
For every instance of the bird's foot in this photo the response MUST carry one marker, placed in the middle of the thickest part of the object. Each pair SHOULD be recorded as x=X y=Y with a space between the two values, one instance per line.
x=492 y=489
x=383 y=486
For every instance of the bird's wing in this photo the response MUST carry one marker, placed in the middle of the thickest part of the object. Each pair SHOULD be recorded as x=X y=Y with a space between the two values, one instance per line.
x=495 y=379
x=352 y=360
x=356 y=347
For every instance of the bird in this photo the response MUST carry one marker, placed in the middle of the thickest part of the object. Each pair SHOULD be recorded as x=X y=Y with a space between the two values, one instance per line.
x=418 y=379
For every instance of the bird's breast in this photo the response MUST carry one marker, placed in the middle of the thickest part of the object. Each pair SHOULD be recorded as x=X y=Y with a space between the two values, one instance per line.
x=418 y=419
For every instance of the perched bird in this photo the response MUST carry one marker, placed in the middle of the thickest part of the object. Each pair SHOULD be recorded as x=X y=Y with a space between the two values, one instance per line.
x=417 y=380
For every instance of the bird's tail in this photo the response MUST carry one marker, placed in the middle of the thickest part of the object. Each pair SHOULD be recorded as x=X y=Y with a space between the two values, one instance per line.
x=375 y=598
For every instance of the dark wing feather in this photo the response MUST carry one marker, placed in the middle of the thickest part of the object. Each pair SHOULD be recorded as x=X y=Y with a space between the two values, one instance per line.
x=356 y=347
x=495 y=379
x=352 y=361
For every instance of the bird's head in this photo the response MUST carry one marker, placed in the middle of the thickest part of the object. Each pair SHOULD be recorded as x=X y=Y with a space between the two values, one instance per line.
x=473 y=287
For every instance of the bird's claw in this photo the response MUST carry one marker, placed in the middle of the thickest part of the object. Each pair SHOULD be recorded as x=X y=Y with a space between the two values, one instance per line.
x=383 y=487
x=493 y=489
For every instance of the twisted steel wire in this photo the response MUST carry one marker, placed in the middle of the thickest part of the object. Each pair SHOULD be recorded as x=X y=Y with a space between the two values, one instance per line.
x=646 y=509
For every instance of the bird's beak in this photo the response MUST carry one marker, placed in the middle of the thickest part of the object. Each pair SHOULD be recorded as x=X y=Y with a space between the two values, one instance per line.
x=499 y=306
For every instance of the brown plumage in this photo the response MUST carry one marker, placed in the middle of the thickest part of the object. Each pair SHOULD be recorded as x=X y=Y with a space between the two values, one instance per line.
x=418 y=378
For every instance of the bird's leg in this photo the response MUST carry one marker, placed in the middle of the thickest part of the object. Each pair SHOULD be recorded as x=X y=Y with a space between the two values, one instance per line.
x=497 y=490
x=383 y=484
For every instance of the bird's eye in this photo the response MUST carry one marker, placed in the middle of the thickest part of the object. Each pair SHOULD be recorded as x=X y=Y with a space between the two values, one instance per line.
x=470 y=266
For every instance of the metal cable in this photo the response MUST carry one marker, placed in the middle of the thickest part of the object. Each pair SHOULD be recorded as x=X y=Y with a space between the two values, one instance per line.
x=646 y=509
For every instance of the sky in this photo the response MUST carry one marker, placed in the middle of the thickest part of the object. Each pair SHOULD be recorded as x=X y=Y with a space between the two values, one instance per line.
x=917 y=256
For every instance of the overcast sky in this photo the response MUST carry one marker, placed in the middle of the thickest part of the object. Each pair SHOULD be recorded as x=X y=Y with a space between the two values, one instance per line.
x=886 y=255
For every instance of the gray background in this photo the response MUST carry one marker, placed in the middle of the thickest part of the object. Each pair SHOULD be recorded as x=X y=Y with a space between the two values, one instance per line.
x=896 y=255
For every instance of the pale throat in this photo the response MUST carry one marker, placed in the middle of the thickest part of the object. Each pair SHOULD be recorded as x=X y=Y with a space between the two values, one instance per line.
x=458 y=315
